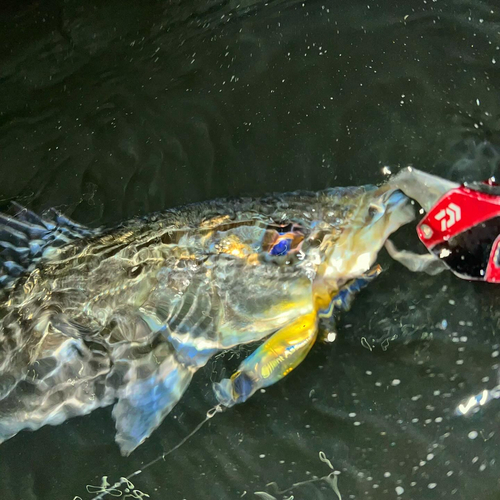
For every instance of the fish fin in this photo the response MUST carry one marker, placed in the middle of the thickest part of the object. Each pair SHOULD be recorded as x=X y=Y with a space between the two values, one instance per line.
x=272 y=361
x=25 y=238
x=147 y=397
x=427 y=263
x=342 y=300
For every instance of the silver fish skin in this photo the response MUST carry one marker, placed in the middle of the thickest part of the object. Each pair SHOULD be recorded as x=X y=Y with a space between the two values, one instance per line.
x=125 y=316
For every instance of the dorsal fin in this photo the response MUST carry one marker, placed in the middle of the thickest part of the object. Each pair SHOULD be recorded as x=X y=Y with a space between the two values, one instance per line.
x=25 y=238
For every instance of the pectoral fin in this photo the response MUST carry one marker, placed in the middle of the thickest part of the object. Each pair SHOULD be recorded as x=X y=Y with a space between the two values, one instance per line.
x=342 y=299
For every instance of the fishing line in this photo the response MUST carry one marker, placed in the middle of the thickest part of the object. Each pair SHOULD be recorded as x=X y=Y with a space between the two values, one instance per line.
x=124 y=480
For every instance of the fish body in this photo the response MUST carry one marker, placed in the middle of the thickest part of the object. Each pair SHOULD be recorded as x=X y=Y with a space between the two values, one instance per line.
x=127 y=315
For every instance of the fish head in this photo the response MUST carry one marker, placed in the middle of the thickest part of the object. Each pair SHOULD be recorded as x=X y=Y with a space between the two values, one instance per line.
x=377 y=214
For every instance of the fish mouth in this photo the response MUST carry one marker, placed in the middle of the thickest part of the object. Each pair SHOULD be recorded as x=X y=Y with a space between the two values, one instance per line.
x=423 y=187
x=395 y=199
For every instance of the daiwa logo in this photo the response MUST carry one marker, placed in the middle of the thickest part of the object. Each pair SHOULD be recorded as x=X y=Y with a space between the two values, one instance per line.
x=449 y=216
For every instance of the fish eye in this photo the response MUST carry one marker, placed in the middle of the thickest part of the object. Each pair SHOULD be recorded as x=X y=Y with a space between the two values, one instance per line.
x=285 y=239
x=282 y=247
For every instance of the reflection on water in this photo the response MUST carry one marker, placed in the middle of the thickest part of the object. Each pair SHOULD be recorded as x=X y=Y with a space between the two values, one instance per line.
x=472 y=404
x=114 y=109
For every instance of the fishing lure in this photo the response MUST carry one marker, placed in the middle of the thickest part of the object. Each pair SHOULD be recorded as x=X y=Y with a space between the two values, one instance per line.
x=125 y=316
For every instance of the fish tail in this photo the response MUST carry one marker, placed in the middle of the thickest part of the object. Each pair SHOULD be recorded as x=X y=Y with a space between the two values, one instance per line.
x=26 y=237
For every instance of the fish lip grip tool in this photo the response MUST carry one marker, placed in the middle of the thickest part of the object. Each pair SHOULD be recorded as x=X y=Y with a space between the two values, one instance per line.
x=463 y=230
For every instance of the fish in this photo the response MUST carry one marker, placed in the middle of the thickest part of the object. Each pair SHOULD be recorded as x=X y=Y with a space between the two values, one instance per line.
x=125 y=316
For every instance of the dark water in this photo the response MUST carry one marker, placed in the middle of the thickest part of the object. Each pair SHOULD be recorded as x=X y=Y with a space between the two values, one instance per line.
x=111 y=109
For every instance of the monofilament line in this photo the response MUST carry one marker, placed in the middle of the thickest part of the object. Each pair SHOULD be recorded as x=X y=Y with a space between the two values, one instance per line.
x=210 y=414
